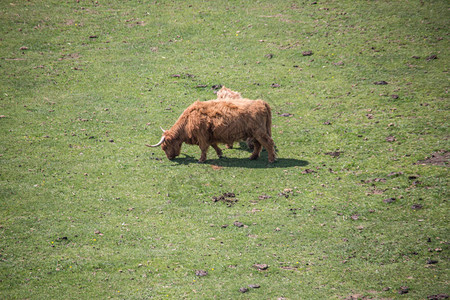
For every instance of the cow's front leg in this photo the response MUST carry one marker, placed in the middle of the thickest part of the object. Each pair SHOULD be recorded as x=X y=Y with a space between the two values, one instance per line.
x=218 y=150
x=204 y=149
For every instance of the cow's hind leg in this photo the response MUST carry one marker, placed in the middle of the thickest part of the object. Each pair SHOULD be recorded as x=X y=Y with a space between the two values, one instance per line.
x=256 y=149
x=266 y=141
x=218 y=150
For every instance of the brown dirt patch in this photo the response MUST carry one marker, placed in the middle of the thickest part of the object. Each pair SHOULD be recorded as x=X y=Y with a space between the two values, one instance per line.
x=439 y=158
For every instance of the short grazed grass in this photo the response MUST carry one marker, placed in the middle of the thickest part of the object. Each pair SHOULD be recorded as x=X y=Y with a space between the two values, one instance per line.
x=355 y=207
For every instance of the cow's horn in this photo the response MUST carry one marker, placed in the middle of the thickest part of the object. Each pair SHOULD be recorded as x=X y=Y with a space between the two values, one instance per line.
x=162 y=129
x=159 y=143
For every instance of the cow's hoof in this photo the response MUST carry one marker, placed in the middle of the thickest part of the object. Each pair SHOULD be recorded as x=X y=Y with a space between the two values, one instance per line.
x=200 y=161
x=253 y=157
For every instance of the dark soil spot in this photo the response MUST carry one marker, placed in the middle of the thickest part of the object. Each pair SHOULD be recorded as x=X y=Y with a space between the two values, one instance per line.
x=389 y=200
x=286 y=115
x=403 y=290
x=417 y=206
x=395 y=174
x=438 y=297
x=439 y=158
x=228 y=198
x=216 y=87
x=431 y=57
x=380 y=82
x=334 y=154
x=374 y=180
x=432 y=262
x=269 y=56
x=308 y=171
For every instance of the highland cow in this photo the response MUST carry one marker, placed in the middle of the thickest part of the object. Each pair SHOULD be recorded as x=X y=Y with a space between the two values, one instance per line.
x=210 y=123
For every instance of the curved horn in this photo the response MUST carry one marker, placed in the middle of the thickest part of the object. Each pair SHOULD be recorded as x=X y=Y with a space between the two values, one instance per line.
x=159 y=143
x=162 y=129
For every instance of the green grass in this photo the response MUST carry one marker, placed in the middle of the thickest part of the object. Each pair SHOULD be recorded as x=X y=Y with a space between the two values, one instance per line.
x=87 y=211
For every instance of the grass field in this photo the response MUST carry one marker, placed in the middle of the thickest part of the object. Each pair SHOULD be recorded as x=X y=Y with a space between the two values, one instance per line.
x=356 y=207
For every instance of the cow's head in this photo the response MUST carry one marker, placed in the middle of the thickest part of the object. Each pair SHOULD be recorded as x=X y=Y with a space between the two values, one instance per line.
x=170 y=145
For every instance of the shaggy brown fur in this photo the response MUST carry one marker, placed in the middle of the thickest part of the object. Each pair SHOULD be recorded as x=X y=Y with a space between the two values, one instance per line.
x=212 y=122
x=226 y=93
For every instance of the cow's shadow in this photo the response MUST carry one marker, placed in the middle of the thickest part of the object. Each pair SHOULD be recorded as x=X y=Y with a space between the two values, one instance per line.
x=233 y=162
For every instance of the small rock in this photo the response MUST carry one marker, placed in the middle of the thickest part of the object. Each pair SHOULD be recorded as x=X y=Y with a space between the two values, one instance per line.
x=269 y=56
x=261 y=267
x=307 y=53
x=243 y=290
x=238 y=224
x=391 y=139
x=432 y=262
x=201 y=273
x=380 y=82
x=394 y=96
x=389 y=200
x=431 y=57
x=254 y=286
x=275 y=85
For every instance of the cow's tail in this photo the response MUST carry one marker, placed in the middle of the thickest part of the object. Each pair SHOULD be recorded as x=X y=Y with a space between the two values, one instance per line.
x=269 y=119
